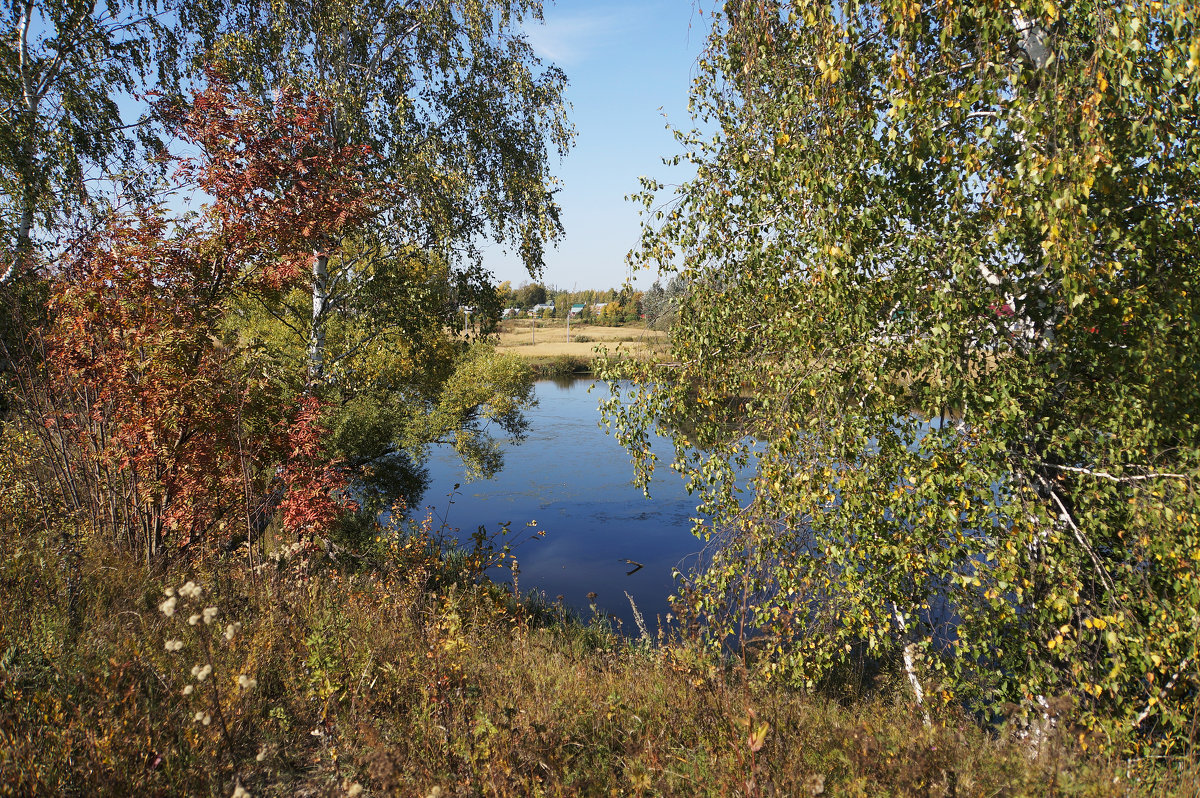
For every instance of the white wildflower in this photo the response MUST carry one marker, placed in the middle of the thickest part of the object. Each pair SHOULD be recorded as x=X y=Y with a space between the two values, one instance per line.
x=168 y=606
x=209 y=614
x=201 y=673
x=262 y=754
x=174 y=645
x=353 y=790
x=188 y=690
x=191 y=590
x=232 y=629
x=240 y=792
x=170 y=591
x=195 y=619
x=247 y=682
x=199 y=717
x=207 y=719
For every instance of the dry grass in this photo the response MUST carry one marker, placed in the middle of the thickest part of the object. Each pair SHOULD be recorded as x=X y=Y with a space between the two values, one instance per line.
x=401 y=673
x=550 y=339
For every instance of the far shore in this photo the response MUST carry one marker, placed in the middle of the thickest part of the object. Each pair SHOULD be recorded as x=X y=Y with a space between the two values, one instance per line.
x=549 y=351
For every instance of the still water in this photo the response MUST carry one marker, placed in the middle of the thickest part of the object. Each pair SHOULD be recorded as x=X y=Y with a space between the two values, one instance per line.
x=573 y=481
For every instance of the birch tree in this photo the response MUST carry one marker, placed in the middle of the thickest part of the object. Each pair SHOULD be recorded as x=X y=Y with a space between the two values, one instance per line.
x=449 y=95
x=63 y=66
x=934 y=375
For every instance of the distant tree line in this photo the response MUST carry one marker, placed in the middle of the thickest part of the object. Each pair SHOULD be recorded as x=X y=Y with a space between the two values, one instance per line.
x=657 y=306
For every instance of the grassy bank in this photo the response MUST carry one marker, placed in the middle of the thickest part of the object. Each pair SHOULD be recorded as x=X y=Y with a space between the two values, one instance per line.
x=397 y=671
x=549 y=366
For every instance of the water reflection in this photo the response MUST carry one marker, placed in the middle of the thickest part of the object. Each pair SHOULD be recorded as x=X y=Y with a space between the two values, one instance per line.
x=575 y=482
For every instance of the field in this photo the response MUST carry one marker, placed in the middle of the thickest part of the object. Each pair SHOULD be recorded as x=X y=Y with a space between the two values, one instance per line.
x=550 y=338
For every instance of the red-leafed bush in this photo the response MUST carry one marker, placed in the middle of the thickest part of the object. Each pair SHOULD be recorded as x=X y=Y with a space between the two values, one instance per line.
x=282 y=186
x=158 y=432
x=141 y=407
x=315 y=488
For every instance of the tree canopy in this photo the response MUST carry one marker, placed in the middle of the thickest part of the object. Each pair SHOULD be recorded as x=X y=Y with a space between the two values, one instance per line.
x=449 y=95
x=354 y=159
x=934 y=373
x=63 y=66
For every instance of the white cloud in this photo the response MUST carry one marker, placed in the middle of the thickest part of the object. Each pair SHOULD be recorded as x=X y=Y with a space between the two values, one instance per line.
x=569 y=38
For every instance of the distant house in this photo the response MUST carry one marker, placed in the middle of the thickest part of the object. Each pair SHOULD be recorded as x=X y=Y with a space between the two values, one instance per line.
x=508 y=313
x=599 y=307
x=577 y=309
x=541 y=308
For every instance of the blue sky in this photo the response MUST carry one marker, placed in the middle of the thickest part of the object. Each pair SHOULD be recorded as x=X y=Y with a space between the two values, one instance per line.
x=628 y=64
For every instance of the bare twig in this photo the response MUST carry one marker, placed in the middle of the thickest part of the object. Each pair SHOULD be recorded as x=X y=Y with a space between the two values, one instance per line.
x=1066 y=516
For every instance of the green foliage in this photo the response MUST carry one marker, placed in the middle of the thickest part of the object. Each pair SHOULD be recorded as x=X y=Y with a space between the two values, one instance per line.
x=397 y=375
x=62 y=63
x=486 y=390
x=529 y=295
x=561 y=366
x=621 y=308
x=934 y=375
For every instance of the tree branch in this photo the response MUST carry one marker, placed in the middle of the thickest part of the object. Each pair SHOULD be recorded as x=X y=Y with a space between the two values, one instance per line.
x=1114 y=478
x=1065 y=514
x=1145 y=713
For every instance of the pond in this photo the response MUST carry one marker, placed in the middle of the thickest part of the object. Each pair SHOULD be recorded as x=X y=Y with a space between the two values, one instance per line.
x=573 y=481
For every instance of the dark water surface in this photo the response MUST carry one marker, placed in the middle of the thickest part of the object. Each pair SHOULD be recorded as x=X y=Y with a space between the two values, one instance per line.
x=575 y=481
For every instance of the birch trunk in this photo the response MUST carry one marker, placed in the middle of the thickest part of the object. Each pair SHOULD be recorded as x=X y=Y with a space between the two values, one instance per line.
x=320 y=305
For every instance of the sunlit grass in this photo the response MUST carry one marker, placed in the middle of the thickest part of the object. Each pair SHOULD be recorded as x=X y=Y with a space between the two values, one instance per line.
x=389 y=673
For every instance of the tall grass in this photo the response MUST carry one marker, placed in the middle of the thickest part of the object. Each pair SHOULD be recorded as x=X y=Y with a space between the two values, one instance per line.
x=383 y=671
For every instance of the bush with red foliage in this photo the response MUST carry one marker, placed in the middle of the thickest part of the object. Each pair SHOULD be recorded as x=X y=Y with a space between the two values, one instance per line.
x=157 y=433
x=315 y=487
x=282 y=186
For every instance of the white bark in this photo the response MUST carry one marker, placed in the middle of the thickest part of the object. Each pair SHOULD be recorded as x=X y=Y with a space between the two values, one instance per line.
x=31 y=102
x=910 y=666
x=1033 y=40
x=320 y=307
